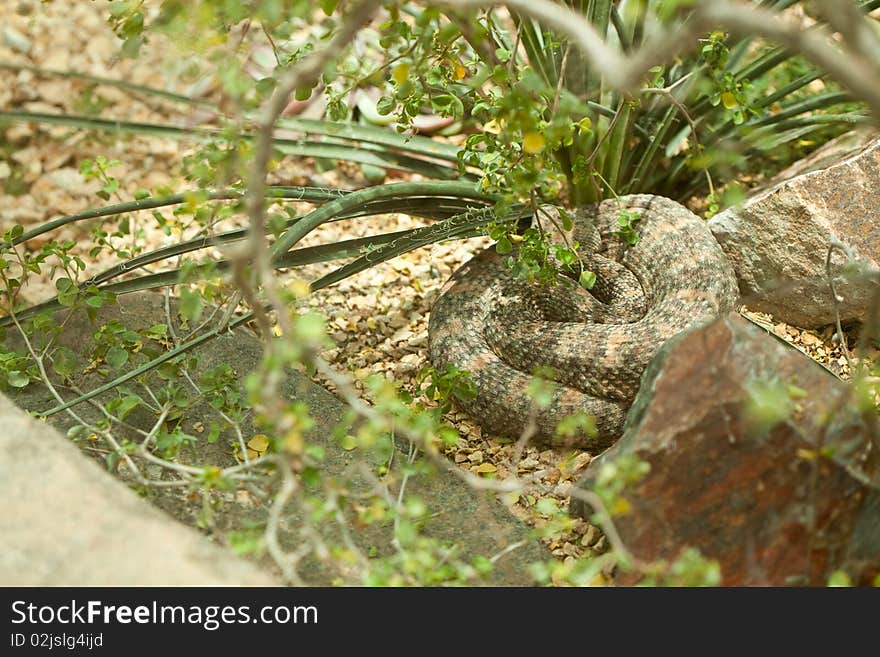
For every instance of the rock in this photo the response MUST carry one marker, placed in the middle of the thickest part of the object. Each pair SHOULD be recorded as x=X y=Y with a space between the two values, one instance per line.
x=727 y=479
x=68 y=179
x=778 y=240
x=474 y=522
x=16 y=40
x=69 y=523
x=829 y=154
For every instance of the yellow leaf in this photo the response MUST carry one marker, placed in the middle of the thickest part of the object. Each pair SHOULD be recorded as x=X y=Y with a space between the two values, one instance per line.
x=621 y=507
x=299 y=287
x=493 y=127
x=212 y=473
x=293 y=441
x=485 y=468
x=807 y=454
x=533 y=142
x=599 y=580
x=259 y=443
x=728 y=100
x=400 y=73
x=252 y=455
x=459 y=72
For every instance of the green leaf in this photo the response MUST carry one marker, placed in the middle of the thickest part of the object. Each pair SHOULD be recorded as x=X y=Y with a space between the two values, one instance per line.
x=503 y=246
x=131 y=47
x=567 y=222
x=309 y=327
x=64 y=361
x=214 y=432
x=315 y=452
x=191 y=304
x=385 y=105
x=565 y=255
x=547 y=506
x=839 y=578
x=18 y=379
x=116 y=357
x=310 y=476
x=127 y=404
x=587 y=280
x=157 y=332
x=77 y=432
x=118 y=8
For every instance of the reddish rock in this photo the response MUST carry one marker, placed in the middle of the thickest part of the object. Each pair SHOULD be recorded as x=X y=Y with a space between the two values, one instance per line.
x=752 y=496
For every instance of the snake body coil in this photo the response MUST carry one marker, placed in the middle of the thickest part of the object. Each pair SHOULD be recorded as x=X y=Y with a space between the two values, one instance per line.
x=597 y=343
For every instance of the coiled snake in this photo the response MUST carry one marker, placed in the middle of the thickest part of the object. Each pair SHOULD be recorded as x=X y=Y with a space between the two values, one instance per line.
x=597 y=343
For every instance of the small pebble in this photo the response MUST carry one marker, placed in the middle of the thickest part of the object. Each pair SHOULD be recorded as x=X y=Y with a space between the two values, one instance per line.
x=16 y=40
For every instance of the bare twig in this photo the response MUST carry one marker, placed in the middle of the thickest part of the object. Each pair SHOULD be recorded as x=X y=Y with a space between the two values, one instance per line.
x=303 y=73
x=667 y=93
x=285 y=561
x=848 y=19
x=836 y=298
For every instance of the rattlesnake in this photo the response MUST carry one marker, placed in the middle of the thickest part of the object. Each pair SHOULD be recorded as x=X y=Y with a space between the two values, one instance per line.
x=598 y=343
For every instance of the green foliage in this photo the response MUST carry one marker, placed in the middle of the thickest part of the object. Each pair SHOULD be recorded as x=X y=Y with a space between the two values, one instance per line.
x=690 y=569
x=536 y=259
x=627 y=220
x=545 y=138
x=613 y=479
x=127 y=20
x=444 y=386
x=16 y=370
x=770 y=402
x=839 y=579
x=581 y=423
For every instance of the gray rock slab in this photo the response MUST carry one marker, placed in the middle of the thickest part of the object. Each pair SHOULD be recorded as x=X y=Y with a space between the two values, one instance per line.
x=69 y=523
x=473 y=521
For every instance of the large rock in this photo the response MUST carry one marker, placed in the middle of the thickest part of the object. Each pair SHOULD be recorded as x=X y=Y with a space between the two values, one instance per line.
x=779 y=239
x=828 y=154
x=69 y=523
x=471 y=522
x=753 y=493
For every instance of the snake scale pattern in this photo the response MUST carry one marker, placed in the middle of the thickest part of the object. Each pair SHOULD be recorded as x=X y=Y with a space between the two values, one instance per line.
x=597 y=343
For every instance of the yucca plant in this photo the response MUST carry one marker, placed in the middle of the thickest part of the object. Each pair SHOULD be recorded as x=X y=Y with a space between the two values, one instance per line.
x=708 y=116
